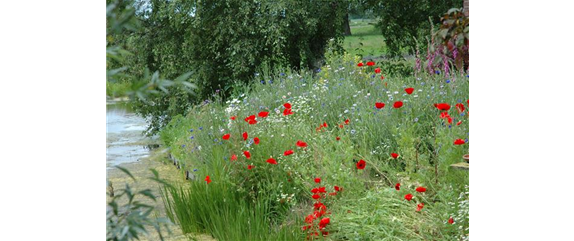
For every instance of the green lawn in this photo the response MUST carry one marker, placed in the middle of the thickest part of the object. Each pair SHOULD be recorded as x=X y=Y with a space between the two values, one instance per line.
x=365 y=40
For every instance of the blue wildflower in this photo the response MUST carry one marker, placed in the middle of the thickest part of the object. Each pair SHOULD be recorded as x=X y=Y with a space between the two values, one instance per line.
x=200 y=128
x=447 y=81
x=195 y=170
x=437 y=71
x=183 y=146
x=190 y=130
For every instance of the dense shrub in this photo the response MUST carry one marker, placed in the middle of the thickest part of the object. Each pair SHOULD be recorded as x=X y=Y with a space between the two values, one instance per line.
x=448 y=48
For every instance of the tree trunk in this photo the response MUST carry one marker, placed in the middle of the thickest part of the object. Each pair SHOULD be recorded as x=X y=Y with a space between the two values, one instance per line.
x=347 y=26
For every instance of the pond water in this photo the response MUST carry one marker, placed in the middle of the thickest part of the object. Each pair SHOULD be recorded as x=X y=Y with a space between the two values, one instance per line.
x=125 y=141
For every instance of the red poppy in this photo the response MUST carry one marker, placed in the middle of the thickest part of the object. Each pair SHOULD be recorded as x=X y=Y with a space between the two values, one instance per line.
x=420 y=206
x=233 y=157
x=444 y=115
x=398 y=186
x=207 y=179
x=316 y=196
x=378 y=70
x=226 y=136
x=256 y=140
x=332 y=193
x=347 y=121
x=398 y=104
x=337 y=188
x=315 y=190
x=324 y=124
x=251 y=119
x=409 y=90
x=310 y=218
x=233 y=117
x=382 y=78
x=287 y=105
x=459 y=142
x=271 y=161
x=338 y=138
x=394 y=155
x=421 y=189
x=324 y=222
x=409 y=197
x=341 y=126
x=247 y=154
x=451 y=220
x=360 y=64
x=287 y=112
x=288 y=152
x=449 y=119
x=361 y=164
x=459 y=107
x=245 y=136
x=322 y=190
x=379 y=105
x=370 y=63
x=442 y=106
x=458 y=123
x=301 y=144
x=249 y=167
x=263 y=114
x=317 y=180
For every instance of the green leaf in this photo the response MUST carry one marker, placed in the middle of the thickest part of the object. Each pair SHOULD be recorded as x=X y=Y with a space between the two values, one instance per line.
x=126 y=172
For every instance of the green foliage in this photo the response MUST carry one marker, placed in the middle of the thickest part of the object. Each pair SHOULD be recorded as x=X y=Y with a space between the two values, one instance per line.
x=224 y=42
x=339 y=91
x=129 y=214
x=396 y=68
x=401 y=21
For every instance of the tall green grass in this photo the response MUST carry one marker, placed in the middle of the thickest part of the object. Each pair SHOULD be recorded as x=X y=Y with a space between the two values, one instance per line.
x=216 y=208
x=275 y=195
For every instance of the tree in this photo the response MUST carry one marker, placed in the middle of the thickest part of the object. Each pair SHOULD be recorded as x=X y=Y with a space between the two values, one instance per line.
x=224 y=42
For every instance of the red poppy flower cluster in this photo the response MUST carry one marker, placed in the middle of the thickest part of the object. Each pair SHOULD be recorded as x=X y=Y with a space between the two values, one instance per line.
x=319 y=212
x=409 y=196
x=324 y=125
x=287 y=110
x=207 y=179
x=251 y=120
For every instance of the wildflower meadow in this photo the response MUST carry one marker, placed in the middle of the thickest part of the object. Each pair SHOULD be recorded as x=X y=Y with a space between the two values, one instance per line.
x=342 y=152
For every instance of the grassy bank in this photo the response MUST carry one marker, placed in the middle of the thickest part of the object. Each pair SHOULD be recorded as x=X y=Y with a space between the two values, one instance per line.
x=365 y=39
x=370 y=141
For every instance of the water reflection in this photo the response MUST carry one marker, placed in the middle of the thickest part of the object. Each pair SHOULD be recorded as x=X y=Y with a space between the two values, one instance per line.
x=125 y=140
